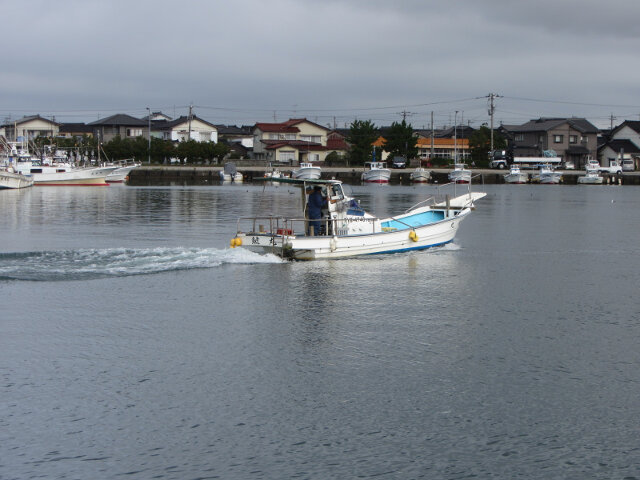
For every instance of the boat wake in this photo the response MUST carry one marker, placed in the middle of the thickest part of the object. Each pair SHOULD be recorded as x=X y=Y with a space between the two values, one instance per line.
x=87 y=264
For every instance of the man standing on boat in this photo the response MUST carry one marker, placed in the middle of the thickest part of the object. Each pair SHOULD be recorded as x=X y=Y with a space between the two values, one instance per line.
x=315 y=204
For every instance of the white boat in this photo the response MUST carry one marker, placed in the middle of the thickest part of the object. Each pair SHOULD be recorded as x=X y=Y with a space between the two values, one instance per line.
x=515 y=175
x=460 y=174
x=420 y=175
x=10 y=179
x=376 y=172
x=346 y=230
x=547 y=175
x=231 y=174
x=307 y=171
x=121 y=173
x=62 y=174
x=591 y=177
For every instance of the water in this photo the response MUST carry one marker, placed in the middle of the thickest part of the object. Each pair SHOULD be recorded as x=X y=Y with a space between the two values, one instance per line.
x=135 y=344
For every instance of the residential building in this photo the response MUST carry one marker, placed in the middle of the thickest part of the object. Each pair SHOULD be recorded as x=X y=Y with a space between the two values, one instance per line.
x=444 y=147
x=234 y=134
x=28 y=128
x=78 y=130
x=573 y=139
x=126 y=126
x=294 y=141
x=623 y=143
x=185 y=128
x=337 y=142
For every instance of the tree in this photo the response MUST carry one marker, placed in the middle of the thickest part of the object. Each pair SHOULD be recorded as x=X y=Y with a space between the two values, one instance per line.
x=361 y=136
x=480 y=144
x=400 y=141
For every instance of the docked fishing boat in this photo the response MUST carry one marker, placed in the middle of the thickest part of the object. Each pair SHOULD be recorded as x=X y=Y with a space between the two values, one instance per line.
x=231 y=174
x=346 y=230
x=62 y=174
x=376 y=172
x=121 y=173
x=547 y=175
x=420 y=175
x=460 y=174
x=516 y=175
x=307 y=171
x=10 y=179
x=591 y=177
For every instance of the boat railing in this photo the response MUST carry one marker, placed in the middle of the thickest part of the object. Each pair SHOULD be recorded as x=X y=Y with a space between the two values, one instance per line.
x=282 y=227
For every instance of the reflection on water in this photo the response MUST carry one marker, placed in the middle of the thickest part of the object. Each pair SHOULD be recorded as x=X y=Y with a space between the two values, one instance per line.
x=148 y=348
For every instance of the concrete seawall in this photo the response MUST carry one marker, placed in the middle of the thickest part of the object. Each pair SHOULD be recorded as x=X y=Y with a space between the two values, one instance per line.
x=200 y=175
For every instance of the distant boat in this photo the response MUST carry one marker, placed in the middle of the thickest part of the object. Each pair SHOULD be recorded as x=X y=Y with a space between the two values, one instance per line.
x=547 y=175
x=592 y=177
x=376 y=172
x=420 y=175
x=460 y=174
x=307 y=171
x=231 y=174
x=515 y=175
x=10 y=179
x=121 y=173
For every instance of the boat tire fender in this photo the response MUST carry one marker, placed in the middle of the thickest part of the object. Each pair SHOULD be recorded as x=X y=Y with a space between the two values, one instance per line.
x=413 y=236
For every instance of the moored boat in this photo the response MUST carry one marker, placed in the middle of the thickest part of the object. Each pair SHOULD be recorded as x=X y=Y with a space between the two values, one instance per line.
x=230 y=173
x=307 y=171
x=591 y=177
x=420 y=175
x=121 y=173
x=460 y=174
x=376 y=172
x=547 y=175
x=10 y=179
x=346 y=230
x=515 y=175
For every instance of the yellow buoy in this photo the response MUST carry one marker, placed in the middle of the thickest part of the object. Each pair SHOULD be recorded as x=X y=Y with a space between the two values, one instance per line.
x=413 y=235
x=236 y=242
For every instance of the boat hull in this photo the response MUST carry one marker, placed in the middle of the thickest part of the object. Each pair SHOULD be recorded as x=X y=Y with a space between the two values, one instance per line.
x=376 y=176
x=10 y=180
x=516 y=178
x=119 y=175
x=307 y=173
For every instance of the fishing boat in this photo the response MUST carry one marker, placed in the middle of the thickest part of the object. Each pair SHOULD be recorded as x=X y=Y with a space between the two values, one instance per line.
x=516 y=175
x=460 y=174
x=10 y=179
x=121 y=173
x=591 y=177
x=547 y=175
x=376 y=172
x=420 y=175
x=231 y=174
x=346 y=230
x=307 y=171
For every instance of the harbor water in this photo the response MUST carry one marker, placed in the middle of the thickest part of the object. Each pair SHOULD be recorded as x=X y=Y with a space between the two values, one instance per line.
x=135 y=344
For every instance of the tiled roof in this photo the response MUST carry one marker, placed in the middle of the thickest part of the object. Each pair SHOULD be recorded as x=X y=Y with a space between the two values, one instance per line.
x=298 y=144
x=120 y=119
x=179 y=121
x=623 y=144
x=277 y=128
x=545 y=124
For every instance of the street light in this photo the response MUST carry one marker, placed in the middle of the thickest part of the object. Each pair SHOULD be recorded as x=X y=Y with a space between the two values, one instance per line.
x=149 y=134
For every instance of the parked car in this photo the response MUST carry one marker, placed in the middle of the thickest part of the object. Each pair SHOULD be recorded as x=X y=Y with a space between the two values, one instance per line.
x=628 y=165
x=592 y=165
x=399 y=162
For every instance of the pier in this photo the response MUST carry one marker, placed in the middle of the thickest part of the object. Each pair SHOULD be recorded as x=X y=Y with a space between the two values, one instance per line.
x=148 y=175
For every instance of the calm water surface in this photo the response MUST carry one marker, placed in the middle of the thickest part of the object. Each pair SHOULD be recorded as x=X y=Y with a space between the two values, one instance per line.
x=135 y=344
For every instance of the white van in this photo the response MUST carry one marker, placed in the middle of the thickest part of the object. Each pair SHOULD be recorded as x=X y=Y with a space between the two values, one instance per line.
x=628 y=165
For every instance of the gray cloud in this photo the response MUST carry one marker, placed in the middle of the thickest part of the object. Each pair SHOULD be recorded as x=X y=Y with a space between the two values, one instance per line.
x=245 y=60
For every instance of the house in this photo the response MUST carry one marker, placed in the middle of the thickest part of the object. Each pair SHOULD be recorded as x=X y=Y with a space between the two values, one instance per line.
x=573 y=139
x=234 y=134
x=28 y=128
x=185 y=128
x=337 y=142
x=614 y=151
x=294 y=141
x=444 y=147
x=623 y=143
x=121 y=124
x=75 y=130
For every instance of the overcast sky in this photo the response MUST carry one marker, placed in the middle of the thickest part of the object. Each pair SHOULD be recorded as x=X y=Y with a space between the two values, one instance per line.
x=239 y=62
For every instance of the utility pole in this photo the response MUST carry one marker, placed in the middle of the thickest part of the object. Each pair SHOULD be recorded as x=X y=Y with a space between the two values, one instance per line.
x=190 y=112
x=149 y=134
x=492 y=109
x=455 y=138
x=432 y=135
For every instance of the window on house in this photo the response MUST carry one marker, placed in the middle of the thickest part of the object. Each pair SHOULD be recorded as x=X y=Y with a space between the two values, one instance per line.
x=519 y=137
x=573 y=139
x=558 y=138
x=134 y=132
x=286 y=155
